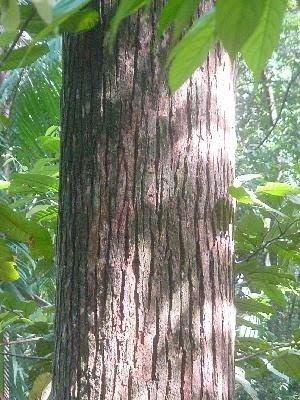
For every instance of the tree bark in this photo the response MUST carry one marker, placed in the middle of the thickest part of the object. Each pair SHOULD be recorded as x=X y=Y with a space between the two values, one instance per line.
x=145 y=291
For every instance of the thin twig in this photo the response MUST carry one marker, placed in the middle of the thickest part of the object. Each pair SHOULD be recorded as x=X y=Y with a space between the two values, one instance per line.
x=285 y=97
x=27 y=340
x=257 y=353
x=22 y=29
x=267 y=243
x=23 y=356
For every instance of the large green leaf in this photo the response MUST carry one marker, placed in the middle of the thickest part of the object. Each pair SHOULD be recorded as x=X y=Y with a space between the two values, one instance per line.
x=64 y=8
x=41 y=387
x=5 y=252
x=7 y=318
x=288 y=364
x=34 y=22
x=278 y=189
x=4 y=184
x=177 y=12
x=12 y=303
x=241 y=194
x=45 y=9
x=251 y=224
x=61 y=12
x=266 y=274
x=46 y=215
x=10 y=15
x=49 y=144
x=7 y=37
x=24 y=56
x=46 y=166
x=191 y=51
x=245 y=196
x=125 y=9
x=36 y=107
x=236 y=21
x=15 y=226
x=81 y=21
x=168 y=14
x=259 y=47
x=8 y=272
x=25 y=183
x=65 y=16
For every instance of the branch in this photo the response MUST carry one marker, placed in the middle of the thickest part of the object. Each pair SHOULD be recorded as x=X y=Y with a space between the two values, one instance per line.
x=23 y=356
x=285 y=97
x=270 y=98
x=267 y=243
x=22 y=29
x=259 y=352
x=27 y=340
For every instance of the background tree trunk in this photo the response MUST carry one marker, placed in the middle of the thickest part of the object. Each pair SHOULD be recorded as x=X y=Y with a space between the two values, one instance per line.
x=145 y=293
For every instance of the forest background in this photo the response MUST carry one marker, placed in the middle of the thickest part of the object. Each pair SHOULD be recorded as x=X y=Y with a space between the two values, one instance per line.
x=266 y=225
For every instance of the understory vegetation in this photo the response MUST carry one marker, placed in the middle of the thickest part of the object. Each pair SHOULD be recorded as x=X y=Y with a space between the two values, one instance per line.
x=267 y=223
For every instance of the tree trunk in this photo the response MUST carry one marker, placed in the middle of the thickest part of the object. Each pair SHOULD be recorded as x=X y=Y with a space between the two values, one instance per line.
x=145 y=292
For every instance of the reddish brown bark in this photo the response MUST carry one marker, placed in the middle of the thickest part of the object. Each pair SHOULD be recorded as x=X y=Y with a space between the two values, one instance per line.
x=145 y=302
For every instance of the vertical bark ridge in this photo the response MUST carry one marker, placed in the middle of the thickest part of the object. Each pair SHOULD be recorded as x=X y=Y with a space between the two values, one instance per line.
x=145 y=302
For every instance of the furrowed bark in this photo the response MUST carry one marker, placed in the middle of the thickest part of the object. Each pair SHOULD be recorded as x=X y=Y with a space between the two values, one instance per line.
x=145 y=293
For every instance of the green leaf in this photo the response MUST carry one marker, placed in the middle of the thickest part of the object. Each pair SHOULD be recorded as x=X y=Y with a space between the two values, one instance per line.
x=44 y=347
x=7 y=318
x=41 y=385
x=7 y=37
x=24 y=56
x=64 y=8
x=245 y=196
x=81 y=21
x=191 y=51
x=241 y=194
x=45 y=166
x=10 y=15
x=278 y=189
x=34 y=22
x=25 y=183
x=45 y=9
x=5 y=252
x=272 y=292
x=8 y=272
x=46 y=215
x=4 y=121
x=168 y=14
x=296 y=335
x=288 y=364
x=251 y=224
x=253 y=306
x=4 y=184
x=177 y=12
x=49 y=144
x=244 y=343
x=236 y=21
x=62 y=11
x=259 y=47
x=265 y=274
x=15 y=226
x=125 y=9
x=11 y=302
